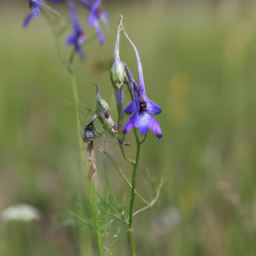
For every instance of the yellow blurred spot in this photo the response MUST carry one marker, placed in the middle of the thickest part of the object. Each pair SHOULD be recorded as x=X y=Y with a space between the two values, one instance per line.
x=237 y=40
x=180 y=84
x=178 y=88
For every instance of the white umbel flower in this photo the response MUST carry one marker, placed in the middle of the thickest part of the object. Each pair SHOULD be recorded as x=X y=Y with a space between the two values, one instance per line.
x=21 y=212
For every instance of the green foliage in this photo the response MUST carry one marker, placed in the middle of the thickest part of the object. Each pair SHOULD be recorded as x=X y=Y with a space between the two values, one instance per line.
x=110 y=216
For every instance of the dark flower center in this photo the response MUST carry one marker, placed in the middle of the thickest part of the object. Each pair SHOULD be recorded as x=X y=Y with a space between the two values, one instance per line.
x=80 y=37
x=143 y=104
x=30 y=4
x=99 y=12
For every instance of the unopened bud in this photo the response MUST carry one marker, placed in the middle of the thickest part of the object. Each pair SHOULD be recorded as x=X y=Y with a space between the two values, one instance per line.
x=117 y=73
x=103 y=114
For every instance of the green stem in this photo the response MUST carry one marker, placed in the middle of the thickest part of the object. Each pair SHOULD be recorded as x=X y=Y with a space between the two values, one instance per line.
x=124 y=155
x=122 y=174
x=90 y=184
x=134 y=178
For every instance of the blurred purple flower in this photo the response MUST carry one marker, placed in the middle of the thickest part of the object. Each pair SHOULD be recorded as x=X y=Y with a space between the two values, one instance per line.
x=96 y=15
x=141 y=107
x=34 y=5
x=77 y=37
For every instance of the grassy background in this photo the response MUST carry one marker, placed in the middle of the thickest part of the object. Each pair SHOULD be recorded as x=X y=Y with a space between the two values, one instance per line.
x=199 y=60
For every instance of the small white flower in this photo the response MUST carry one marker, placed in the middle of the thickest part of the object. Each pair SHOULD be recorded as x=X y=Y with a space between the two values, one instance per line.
x=22 y=212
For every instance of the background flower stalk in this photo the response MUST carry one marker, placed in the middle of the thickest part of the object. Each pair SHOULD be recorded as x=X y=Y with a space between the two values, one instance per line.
x=97 y=15
x=35 y=6
x=77 y=37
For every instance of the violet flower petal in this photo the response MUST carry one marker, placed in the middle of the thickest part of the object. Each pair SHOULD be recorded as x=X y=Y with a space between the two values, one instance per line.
x=35 y=9
x=152 y=107
x=96 y=15
x=28 y=19
x=143 y=122
x=77 y=37
x=93 y=12
x=130 y=123
x=103 y=16
x=132 y=107
x=99 y=32
x=71 y=39
x=155 y=127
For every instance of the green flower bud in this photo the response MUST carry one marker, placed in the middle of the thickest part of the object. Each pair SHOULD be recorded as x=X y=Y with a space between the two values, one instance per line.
x=103 y=113
x=117 y=71
x=117 y=74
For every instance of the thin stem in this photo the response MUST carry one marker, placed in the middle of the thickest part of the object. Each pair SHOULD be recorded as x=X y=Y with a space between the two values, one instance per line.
x=154 y=200
x=90 y=184
x=134 y=178
x=142 y=141
x=122 y=174
x=72 y=56
x=124 y=155
x=59 y=53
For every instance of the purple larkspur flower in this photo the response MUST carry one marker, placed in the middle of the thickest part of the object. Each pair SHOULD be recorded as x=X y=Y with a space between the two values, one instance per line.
x=141 y=107
x=35 y=7
x=77 y=37
x=96 y=16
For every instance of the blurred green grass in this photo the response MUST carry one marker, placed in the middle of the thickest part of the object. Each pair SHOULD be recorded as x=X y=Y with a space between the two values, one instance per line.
x=198 y=60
